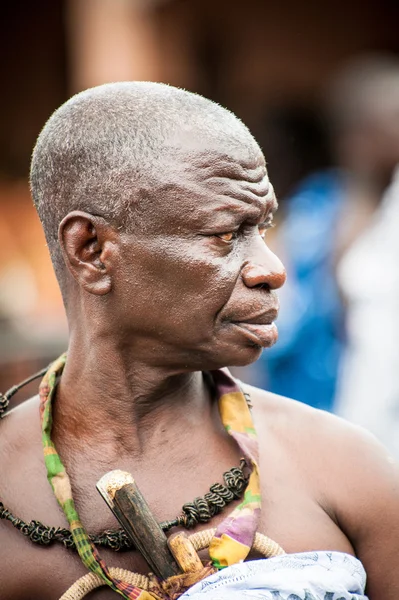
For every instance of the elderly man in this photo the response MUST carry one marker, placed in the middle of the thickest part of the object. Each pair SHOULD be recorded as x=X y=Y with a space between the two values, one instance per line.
x=155 y=203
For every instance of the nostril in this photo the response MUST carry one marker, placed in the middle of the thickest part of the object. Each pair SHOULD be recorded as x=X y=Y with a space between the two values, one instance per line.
x=256 y=276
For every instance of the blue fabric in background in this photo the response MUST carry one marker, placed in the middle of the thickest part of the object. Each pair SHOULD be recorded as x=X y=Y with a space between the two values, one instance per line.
x=304 y=363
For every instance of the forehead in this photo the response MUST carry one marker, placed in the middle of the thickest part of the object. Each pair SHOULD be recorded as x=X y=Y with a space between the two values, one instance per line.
x=197 y=184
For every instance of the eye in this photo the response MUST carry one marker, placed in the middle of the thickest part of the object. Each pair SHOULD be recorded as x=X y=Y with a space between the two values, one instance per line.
x=263 y=227
x=227 y=237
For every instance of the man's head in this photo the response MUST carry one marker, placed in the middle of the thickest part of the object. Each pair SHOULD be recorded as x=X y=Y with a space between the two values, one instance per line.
x=106 y=147
x=140 y=187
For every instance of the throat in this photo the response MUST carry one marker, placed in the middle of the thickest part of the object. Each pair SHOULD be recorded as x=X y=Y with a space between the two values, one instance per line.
x=133 y=416
x=177 y=444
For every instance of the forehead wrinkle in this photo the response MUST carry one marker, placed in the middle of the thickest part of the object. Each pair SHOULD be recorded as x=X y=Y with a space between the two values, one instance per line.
x=189 y=169
x=260 y=195
x=235 y=187
x=206 y=193
x=251 y=167
x=235 y=172
x=250 y=210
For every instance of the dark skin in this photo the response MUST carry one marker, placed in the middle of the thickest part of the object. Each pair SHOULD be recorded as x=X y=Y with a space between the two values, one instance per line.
x=192 y=289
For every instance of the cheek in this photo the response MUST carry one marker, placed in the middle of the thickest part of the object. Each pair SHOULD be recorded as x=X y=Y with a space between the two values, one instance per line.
x=202 y=287
x=182 y=283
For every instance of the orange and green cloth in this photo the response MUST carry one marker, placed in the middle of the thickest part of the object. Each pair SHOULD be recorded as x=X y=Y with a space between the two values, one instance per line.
x=234 y=536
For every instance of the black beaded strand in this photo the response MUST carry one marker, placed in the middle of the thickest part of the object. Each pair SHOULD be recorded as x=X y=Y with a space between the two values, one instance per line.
x=200 y=510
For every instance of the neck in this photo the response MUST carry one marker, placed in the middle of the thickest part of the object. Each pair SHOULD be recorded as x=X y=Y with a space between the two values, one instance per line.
x=108 y=399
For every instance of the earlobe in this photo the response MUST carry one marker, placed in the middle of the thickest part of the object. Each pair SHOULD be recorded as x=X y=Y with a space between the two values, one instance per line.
x=86 y=245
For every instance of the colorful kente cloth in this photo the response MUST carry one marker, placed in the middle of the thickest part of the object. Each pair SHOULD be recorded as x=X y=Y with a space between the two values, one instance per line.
x=234 y=536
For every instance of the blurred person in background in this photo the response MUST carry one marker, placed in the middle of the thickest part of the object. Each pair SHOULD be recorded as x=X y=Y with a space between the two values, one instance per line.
x=368 y=276
x=324 y=216
x=368 y=251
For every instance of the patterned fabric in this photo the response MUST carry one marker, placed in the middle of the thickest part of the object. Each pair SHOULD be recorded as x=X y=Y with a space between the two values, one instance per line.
x=61 y=486
x=302 y=576
x=234 y=536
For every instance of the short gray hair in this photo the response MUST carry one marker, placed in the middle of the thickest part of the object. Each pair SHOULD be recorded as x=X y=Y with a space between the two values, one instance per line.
x=97 y=150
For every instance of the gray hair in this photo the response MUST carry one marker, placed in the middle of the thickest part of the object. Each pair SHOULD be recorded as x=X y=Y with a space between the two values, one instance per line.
x=103 y=145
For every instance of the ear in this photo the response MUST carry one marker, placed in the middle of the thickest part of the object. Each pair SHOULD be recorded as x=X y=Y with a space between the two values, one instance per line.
x=87 y=244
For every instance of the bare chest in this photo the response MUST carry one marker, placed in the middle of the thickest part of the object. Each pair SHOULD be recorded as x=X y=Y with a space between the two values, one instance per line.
x=290 y=515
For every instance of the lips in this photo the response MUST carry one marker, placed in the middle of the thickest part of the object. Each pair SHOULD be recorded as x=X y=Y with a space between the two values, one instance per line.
x=259 y=329
x=259 y=335
x=264 y=318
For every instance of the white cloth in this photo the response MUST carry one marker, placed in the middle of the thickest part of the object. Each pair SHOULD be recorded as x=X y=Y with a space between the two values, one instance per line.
x=368 y=274
x=302 y=576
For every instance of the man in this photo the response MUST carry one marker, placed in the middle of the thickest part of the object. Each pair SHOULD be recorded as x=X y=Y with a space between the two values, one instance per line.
x=155 y=203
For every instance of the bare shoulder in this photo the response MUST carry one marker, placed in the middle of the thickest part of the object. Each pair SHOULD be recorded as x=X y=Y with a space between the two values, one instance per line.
x=350 y=472
x=22 y=469
x=20 y=433
x=20 y=452
x=18 y=428
x=351 y=454
x=23 y=477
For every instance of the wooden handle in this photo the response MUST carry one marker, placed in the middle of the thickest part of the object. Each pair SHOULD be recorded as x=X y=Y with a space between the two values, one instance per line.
x=122 y=495
x=185 y=553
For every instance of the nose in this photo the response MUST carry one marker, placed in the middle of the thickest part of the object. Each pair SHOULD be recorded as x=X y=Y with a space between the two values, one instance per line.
x=263 y=269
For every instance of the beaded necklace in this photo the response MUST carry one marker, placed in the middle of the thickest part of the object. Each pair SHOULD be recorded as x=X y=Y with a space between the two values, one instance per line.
x=200 y=510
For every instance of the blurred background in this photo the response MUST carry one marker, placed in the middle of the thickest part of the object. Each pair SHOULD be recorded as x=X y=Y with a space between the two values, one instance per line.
x=318 y=85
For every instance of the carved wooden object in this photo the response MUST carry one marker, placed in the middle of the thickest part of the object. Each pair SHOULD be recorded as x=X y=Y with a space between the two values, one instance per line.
x=120 y=492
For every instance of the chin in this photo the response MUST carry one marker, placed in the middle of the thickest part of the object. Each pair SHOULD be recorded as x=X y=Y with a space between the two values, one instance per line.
x=241 y=347
x=229 y=348
x=245 y=356
x=232 y=356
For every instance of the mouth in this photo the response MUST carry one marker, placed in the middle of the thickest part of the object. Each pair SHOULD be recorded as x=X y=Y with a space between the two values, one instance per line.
x=259 y=335
x=259 y=330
